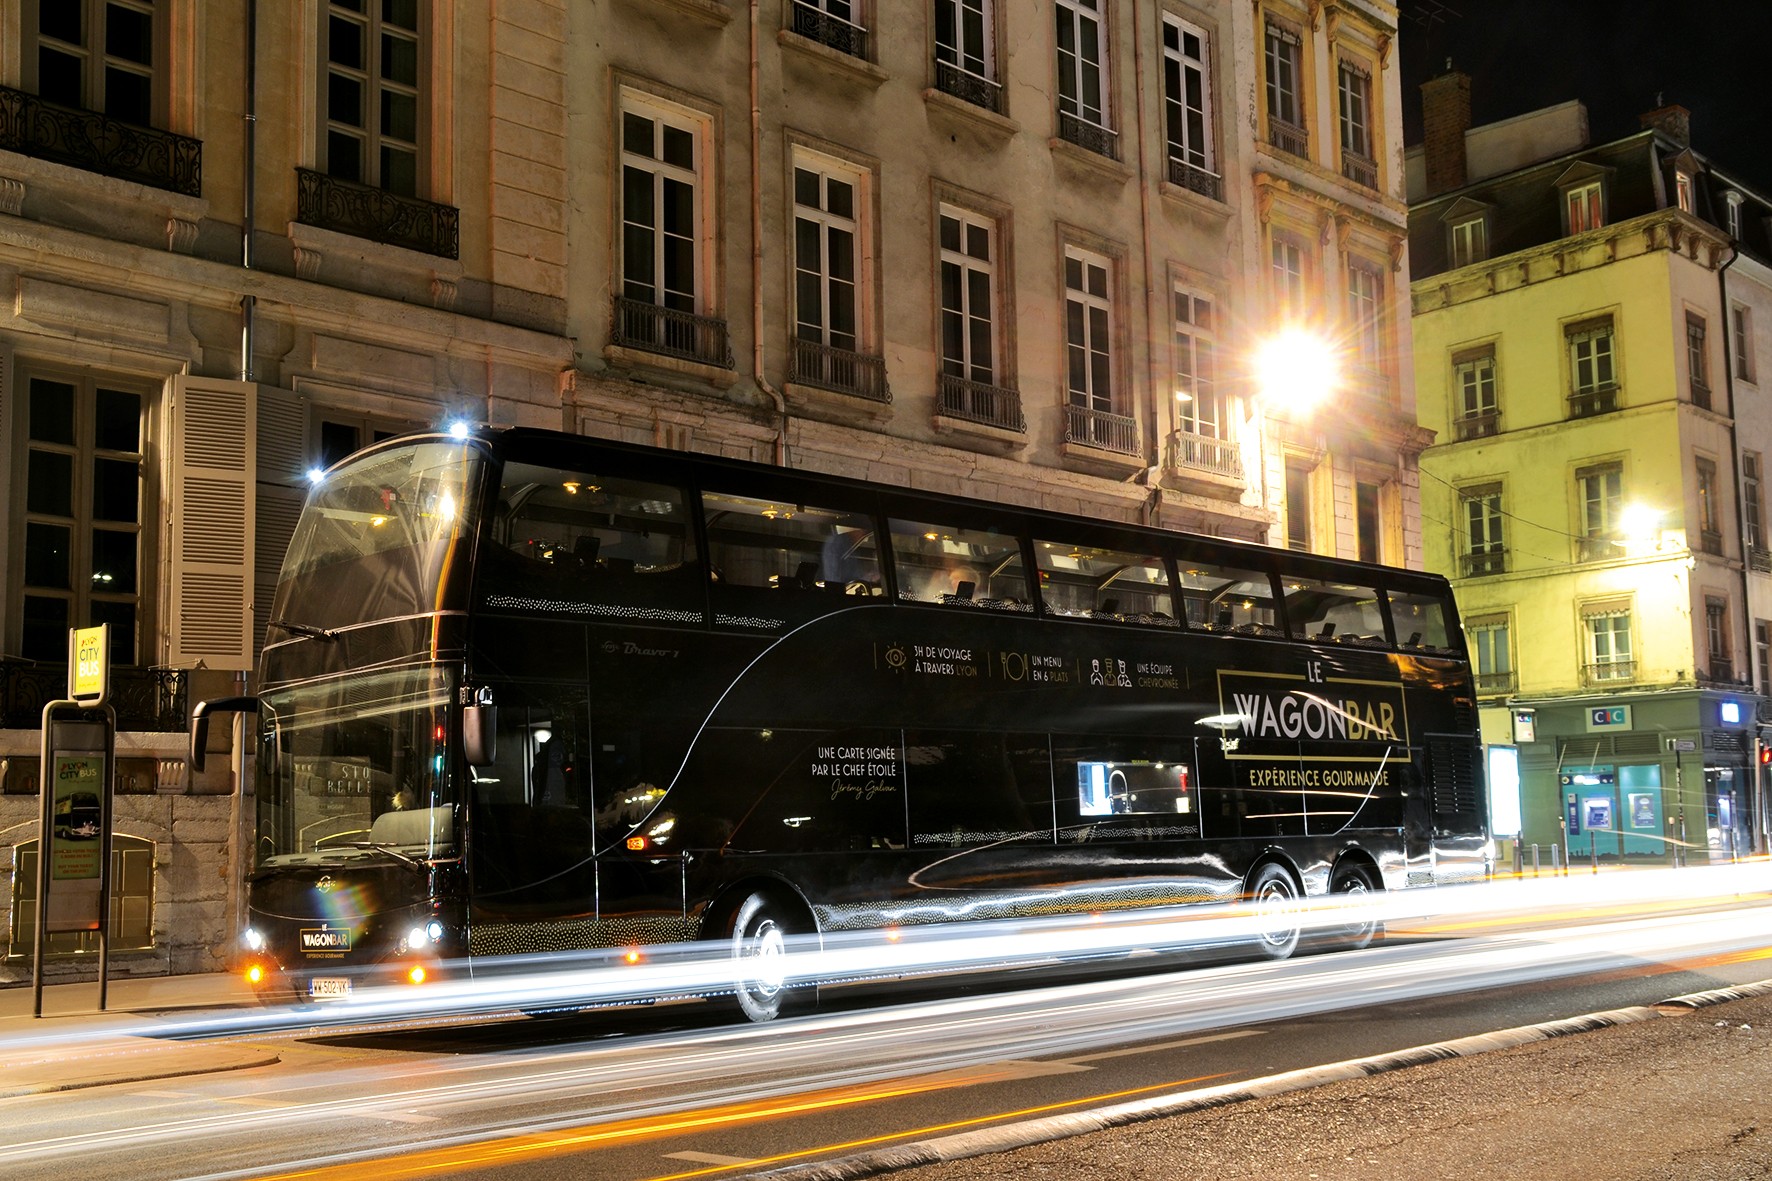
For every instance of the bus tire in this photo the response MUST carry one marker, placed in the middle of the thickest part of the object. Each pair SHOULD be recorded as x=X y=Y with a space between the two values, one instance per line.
x=758 y=936
x=1356 y=882
x=1274 y=896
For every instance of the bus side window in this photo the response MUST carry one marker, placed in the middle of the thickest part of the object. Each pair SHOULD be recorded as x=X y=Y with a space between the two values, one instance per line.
x=1227 y=598
x=1086 y=582
x=1420 y=621
x=779 y=561
x=959 y=567
x=1339 y=612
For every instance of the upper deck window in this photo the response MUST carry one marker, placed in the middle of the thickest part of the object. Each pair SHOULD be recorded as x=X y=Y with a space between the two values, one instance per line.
x=1225 y=598
x=1085 y=582
x=778 y=561
x=1324 y=610
x=959 y=567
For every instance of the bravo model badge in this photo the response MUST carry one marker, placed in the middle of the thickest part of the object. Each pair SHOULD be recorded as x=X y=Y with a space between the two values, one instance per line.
x=324 y=885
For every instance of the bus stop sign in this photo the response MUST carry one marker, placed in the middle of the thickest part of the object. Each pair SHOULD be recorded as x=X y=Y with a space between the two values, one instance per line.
x=91 y=665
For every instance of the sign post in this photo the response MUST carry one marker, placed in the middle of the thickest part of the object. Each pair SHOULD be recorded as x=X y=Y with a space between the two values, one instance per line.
x=74 y=829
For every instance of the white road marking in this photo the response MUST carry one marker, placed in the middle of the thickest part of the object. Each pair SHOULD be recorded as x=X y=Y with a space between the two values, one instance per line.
x=709 y=1158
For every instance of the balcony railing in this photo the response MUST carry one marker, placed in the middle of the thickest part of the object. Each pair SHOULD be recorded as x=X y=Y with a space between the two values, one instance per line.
x=146 y=699
x=33 y=126
x=1362 y=170
x=1759 y=559
x=969 y=87
x=1484 y=562
x=1204 y=453
x=841 y=370
x=364 y=211
x=1597 y=549
x=1099 y=428
x=1721 y=673
x=1479 y=426
x=974 y=401
x=1288 y=137
x=655 y=329
x=1609 y=672
x=1093 y=137
x=1196 y=179
x=1601 y=399
x=1701 y=395
x=1502 y=682
x=815 y=24
x=1710 y=541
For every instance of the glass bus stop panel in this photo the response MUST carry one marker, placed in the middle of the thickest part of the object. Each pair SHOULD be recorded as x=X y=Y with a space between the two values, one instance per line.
x=775 y=561
x=959 y=567
x=1420 y=621
x=1227 y=599
x=575 y=540
x=1333 y=612
x=1083 y=582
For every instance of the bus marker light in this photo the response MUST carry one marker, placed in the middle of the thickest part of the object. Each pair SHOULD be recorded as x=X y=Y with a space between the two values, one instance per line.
x=255 y=974
x=893 y=935
x=416 y=974
x=632 y=956
x=637 y=844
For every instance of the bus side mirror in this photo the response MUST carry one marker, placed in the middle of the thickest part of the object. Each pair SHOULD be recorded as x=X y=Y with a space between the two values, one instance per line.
x=200 y=723
x=479 y=735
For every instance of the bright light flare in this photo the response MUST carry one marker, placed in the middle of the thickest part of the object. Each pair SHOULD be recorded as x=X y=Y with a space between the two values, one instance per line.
x=1296 y=370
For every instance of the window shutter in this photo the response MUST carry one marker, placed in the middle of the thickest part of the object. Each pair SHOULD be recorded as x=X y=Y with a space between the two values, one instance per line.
x=211 y=520
x=281 y=488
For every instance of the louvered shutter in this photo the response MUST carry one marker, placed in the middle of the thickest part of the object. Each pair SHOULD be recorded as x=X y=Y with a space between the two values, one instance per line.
x=282 y=463
x=211 y=522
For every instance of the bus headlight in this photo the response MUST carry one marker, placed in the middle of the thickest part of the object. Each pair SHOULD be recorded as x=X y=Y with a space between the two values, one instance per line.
x=252 y=939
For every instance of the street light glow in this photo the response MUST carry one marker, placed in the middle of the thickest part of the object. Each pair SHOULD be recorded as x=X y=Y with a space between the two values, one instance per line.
x=1295 y=370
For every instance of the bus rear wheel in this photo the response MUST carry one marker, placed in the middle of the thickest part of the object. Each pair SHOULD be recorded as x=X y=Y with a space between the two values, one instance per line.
x=1355 y=884
x=1274 y=896
x=759 y=935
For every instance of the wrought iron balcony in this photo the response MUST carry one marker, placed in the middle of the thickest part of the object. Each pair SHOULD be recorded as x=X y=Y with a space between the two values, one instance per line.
x=1288 y=137
x=1204 y=453
x=1600 y=399
x=1099 y=428
x=974 y=401
x=33 y=126
x=1480 y=425
x=1482 y=562
x=1361 y=169
x=1609 y=672
x=840 y=370
x=1721 y=673
x=1710 y=541
x=364 y=211
x=1196 y=179
x=1759 y=559
x=1700 y=395
x=146 y=699
x=814 y=24
x=1093 y=137
x=1597 y=549
x=655 y=329
x=969 y=87
x=1502 y=682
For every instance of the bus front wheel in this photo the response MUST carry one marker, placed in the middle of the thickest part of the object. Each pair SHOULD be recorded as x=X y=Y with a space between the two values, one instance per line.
x=1355 y=884
x=1274 y=896
x=760 y=932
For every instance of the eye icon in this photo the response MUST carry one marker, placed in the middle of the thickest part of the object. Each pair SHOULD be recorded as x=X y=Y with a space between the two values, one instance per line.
x=895 y=657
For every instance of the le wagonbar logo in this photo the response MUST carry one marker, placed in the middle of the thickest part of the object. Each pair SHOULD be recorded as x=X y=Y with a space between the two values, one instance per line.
x=325 y=939
x=1280 y=706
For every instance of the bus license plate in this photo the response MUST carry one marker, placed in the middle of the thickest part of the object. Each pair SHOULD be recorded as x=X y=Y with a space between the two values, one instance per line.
x=329 y=987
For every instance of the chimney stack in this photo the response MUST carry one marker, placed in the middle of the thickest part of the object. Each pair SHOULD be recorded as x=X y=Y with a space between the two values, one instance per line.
x=1445 y=117
x=1673 y=121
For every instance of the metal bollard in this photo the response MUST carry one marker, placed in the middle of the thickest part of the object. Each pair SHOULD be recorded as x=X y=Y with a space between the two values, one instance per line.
x=1593 y=856
x=1535 y=860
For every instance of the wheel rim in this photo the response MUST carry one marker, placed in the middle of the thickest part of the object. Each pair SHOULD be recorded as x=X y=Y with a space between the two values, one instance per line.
x=1356 y=890
x=1276 y=904
x=763 y=952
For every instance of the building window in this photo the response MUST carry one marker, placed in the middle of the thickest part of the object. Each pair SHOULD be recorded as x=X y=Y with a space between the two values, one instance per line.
x=968 y=296
x=1742 y=340
x=1354 y=85
x=1283 y=56
x=1470 y=241
x=1187 y=108
x=1088 y=311
x=373 y=103
x=1582 y=207
x=966 y=51
x=1683 y=190
x=1298 y=505
x=1710 y=529
x=85 y=549
x=833 y=23
x=1365 y=288
x=1477 y=412
x=1593 y=378
x=826 y=229
x=1763 y=652
x=1368 y=522
x=1492 y=653
x=1732 y=213
x=1718 y=645
x=1753 y=511
x=1485 y=549
x=1202 y=407
x=1082 y=76
x=1608 y=638
x=1697 y=369
x=1600 y=495
x=98 y=55
x=1287 y=267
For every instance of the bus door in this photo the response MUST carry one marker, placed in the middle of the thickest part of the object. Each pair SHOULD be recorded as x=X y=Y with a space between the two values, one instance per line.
x=641 y=830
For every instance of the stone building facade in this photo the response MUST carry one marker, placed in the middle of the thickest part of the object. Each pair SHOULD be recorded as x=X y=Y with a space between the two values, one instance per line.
x=1017 y=250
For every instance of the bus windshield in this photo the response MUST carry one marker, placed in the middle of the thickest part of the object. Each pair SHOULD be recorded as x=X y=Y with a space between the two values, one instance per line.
x=355 y=766
x=376 y=536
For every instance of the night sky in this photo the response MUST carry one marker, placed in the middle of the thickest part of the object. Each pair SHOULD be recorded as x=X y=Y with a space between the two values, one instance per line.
x=1713 y=57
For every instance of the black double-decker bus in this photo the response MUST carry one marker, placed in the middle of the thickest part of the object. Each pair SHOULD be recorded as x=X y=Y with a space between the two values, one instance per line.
x=528 y=692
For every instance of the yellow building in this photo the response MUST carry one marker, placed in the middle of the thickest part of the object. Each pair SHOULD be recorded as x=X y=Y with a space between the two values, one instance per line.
x=1586 y=487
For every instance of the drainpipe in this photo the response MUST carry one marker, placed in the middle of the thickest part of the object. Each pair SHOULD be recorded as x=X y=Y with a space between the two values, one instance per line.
x=1757 y=789
x=1153 y=504
x=781 y=406
x=248 y=188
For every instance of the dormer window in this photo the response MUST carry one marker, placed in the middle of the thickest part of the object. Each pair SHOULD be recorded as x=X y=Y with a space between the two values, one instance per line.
x=1683 y=190
x=1732 y=213
x=1470 y=241
x=1582 y=205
